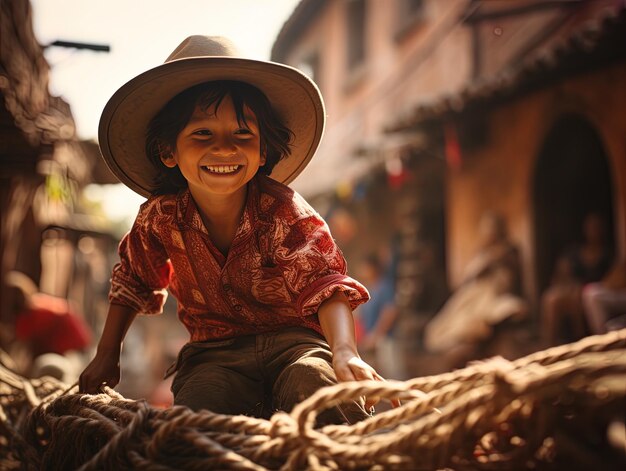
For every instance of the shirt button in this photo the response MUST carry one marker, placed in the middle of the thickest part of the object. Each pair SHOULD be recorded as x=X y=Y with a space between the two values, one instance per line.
x=237 y=307
x=227 y=287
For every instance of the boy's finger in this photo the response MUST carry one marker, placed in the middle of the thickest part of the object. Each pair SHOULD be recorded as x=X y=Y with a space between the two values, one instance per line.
x=361 y=374
x=83 y=385
x=378 y=377
x=109 y=383
x=84 y=388
x=394 y=402
x=371 y=402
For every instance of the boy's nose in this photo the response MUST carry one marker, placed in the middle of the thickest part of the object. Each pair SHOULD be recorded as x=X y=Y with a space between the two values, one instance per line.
x=223 y=146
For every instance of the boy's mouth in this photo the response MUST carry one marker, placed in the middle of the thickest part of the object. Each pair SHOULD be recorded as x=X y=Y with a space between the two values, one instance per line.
x=221 y=169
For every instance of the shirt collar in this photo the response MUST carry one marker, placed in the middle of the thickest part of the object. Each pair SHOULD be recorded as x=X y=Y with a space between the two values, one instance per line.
x=188 y=215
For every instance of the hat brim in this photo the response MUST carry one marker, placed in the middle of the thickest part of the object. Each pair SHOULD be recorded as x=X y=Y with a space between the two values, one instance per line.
x=124 y=121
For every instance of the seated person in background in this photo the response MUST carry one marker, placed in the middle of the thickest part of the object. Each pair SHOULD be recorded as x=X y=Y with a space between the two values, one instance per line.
x=487 y=295
x=583 y=264
x=53 y=332
x=605 y=301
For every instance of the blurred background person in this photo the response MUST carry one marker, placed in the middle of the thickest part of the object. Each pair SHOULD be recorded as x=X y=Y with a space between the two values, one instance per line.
x=487 y=296
x=51 y=334
x=604 y=302
x=378 y=318
x=562 y=313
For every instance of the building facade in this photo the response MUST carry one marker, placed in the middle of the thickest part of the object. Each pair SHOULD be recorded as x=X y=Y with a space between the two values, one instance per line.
x=542 y=142
x=441 y=111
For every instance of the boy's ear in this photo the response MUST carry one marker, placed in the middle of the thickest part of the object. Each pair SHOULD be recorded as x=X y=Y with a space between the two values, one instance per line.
x=168 y=160
x=166 y=154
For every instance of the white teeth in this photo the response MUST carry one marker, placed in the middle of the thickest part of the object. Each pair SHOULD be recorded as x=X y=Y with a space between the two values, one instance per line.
x=222 y=168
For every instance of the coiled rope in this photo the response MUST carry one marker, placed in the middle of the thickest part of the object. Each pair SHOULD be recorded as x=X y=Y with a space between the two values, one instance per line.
x=562 y=407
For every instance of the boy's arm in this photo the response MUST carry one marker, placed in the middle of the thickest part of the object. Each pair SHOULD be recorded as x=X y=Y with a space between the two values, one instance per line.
x=105 y=367
x=337 y=324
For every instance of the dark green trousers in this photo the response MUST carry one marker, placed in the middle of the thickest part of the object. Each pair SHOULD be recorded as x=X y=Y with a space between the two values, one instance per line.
x=256 y=375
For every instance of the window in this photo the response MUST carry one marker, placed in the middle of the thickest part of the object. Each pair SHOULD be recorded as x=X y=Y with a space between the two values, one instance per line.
x=356 y=32
x=310 y=66
x=410 y=13
x=411 y=7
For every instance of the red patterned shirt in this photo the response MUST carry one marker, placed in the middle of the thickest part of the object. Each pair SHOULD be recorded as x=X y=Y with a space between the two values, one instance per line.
x=282 y=264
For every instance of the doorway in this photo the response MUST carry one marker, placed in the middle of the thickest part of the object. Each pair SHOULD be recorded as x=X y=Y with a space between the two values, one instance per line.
x=572 y=178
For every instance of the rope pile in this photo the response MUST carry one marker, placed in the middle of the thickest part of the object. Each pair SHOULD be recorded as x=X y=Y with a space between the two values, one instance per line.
x=561 y=408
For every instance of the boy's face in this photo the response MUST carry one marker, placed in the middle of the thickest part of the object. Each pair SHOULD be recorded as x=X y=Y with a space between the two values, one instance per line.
x=216 y=154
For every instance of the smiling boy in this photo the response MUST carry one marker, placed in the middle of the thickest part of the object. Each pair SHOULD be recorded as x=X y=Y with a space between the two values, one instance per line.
x=261 y=286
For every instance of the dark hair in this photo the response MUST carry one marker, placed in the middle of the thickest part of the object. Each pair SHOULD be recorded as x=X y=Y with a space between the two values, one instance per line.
x=165 y=126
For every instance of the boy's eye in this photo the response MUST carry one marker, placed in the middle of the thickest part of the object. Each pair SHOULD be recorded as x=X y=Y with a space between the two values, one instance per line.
x=243 y=131
x=202 y=132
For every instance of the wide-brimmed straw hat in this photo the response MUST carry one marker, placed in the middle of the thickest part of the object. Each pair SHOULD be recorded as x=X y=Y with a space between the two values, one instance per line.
x=124 y=122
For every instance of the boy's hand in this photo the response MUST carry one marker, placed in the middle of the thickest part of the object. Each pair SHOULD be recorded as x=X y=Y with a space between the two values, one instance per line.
x=349 y=366
x=337 y=325
x=103 y=369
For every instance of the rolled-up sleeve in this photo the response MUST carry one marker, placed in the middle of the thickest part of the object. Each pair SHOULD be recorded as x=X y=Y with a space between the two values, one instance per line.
x=142 y=275
x=314 y=267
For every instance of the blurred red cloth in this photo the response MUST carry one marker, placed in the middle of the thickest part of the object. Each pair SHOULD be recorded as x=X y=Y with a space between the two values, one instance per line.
x=49 y=325
x=454 y=156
